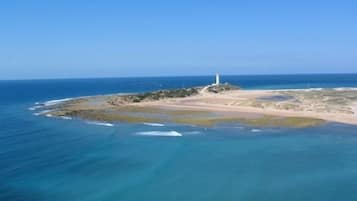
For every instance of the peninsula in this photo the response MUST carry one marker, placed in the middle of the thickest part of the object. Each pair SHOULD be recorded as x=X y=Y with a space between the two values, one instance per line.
x=217 y=104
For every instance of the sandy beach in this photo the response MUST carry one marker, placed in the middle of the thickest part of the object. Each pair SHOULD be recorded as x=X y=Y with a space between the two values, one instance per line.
x=233 y=103
x=201 y=106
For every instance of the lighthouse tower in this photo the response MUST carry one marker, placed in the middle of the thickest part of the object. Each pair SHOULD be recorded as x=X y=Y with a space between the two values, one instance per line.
x=217 y=79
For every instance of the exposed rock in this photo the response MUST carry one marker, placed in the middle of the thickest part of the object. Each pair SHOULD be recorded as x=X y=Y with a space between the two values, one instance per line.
x=221 y=88
x=155 y=95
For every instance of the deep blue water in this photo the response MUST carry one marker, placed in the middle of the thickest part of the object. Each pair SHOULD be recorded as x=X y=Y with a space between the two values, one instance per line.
x=47 y=159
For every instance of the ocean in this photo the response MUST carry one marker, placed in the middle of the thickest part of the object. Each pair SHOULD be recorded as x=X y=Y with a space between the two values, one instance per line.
x=51 y=159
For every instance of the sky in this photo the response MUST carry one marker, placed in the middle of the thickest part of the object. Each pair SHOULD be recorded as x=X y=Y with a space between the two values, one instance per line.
x=107 y=38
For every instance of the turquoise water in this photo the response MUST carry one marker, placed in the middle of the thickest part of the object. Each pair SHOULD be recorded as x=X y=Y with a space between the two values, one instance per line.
x=48 y=159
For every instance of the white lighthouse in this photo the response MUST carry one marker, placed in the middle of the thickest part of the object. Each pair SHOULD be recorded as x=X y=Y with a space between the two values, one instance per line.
x=217 y=79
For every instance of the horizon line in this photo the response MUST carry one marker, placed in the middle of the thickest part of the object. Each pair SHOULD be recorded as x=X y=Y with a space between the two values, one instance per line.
x=168 y=76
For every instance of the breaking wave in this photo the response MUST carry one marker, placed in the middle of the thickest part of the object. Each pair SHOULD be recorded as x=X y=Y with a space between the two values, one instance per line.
x=255 y=130
x=98 y=123
x=34 y=107
x=65 y=117
x=43 y=112
x=160 y=133
x=345 y=88
x=55 y=102
x=154 y=124
x=192 y=132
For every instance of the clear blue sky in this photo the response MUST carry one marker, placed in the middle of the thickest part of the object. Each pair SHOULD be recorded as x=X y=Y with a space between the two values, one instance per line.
x=68 y=38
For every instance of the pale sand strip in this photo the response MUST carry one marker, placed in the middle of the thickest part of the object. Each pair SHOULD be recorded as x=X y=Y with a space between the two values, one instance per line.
x=326 y=104
x=221 y=103
x=342 y=118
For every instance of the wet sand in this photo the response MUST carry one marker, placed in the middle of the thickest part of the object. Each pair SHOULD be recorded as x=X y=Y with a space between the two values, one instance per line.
x=293 y=108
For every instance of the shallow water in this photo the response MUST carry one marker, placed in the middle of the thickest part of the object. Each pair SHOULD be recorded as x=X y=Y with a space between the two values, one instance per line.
x=59 y=159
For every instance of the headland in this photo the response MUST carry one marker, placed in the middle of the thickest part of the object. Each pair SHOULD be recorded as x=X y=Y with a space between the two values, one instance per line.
x=217 y=104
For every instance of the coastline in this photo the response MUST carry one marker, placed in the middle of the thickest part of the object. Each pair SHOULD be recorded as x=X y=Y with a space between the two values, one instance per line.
x=234 y=110
x=291 y=108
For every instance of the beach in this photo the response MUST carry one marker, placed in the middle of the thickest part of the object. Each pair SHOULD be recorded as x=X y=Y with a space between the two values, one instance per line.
x=200 y=106
x=300 y=103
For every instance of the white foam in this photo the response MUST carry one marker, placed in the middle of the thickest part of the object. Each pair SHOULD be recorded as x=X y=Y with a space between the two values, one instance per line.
x=154 y=124
x=65 y=117
x=34 y=107
x=49 y=115
x=55 y=102
x=255 y=130
x=314 y=89
x=100 y=123
x=43 y=112
x=160 y=133
x=345 y=89
x=193 y=132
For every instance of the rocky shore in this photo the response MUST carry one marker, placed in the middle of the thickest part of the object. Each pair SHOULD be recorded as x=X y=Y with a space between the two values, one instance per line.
x=217 y=104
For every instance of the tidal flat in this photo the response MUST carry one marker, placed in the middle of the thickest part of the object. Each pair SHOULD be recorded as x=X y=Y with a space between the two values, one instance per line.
x=212 y=105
